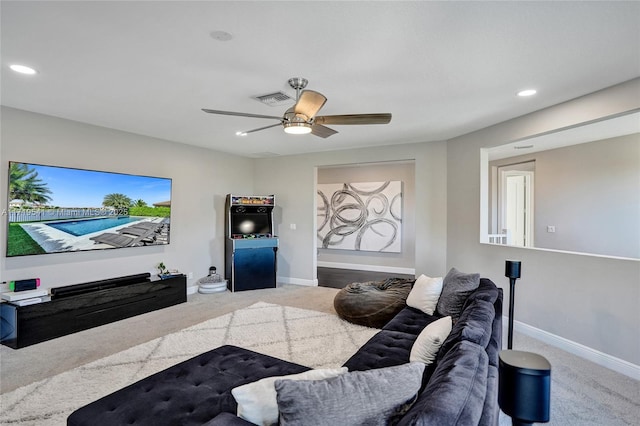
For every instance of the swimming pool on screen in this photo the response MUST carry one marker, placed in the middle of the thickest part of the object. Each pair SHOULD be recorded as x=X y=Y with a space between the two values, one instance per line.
x=82 y=227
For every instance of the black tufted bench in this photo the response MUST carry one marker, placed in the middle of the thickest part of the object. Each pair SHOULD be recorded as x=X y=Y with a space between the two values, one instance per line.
x=189 y=393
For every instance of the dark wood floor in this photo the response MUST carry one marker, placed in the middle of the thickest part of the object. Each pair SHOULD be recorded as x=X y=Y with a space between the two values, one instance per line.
x=339 y=278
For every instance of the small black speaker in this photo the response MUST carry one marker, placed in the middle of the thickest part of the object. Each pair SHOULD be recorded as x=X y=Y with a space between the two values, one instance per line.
x=24 y=285
x=524 y=387
x=512 y=269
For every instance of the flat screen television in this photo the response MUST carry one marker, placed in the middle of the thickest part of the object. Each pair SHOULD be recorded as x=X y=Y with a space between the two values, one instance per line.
x=53 y=209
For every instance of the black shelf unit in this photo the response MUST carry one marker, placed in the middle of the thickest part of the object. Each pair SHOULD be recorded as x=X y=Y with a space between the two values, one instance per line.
x=83 y=306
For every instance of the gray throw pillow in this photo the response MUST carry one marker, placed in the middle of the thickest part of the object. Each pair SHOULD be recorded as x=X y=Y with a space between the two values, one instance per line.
x=456 y=287
x=373 y=397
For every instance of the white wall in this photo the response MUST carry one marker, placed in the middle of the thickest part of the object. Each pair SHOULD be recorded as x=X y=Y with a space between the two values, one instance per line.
x=592 y=197
x=590 y=300
x=293 y=180
x=201 y=178
x=403 y=171
x=590 y=193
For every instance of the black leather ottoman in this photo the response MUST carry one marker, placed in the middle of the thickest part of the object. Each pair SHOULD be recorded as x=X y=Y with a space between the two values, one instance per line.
x=189 y=393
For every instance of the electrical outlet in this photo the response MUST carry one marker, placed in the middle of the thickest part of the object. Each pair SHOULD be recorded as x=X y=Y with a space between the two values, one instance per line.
x=551 y=228
x=292 y=226
x=190 y=275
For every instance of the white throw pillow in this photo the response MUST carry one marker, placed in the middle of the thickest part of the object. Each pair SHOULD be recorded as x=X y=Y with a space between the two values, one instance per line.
x=426 y=346
x=425 y=294
x=257 y=400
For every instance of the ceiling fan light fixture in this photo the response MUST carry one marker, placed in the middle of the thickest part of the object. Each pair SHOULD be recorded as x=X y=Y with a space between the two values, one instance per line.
x=302 y=117
x=297 y=128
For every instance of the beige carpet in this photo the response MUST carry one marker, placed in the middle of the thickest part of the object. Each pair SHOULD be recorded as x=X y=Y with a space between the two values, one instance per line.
x=310 y=338
x=582 y=393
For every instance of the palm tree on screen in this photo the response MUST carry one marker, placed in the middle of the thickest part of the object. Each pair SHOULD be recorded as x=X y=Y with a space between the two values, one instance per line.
x=118 y=201
x=25 y=185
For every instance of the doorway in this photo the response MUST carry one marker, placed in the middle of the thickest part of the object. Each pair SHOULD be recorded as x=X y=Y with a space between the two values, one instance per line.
x=515 y=203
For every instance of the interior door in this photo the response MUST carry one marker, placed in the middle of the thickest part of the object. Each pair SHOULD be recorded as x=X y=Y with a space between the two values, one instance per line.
x=516 y=206
x=515 y=209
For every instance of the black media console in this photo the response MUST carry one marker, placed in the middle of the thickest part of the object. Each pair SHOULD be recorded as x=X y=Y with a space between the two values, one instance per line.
x=82 y=306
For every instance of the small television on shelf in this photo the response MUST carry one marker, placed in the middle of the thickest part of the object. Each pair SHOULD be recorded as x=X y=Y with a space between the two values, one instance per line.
x=251 y=221
x=53 y=209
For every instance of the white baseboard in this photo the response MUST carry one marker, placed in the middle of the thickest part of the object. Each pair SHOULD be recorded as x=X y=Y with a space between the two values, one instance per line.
x=608 y=361
x=298 y=281
x=374 y=268
x=284 y=280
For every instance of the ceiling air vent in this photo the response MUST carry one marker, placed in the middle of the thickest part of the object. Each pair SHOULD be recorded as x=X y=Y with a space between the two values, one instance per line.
x=275 y=99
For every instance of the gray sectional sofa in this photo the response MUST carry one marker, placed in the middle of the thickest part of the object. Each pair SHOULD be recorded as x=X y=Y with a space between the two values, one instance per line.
x=459 y=388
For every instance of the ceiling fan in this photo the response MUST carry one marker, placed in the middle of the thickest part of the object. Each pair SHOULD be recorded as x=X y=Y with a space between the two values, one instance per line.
x=302 y=119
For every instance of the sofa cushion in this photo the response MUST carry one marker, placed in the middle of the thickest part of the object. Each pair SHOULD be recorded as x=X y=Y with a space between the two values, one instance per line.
x=456 y=287
x=491 y=410
x=495 y=344
x=486 y=290
x=385 y=349
x=428 y=343
x=478 y=320
x=425 y=293
x=373 y=397
x=257 y=400
x=474 y=325
x=456 y=391
x=227 y=419
x=410 y=320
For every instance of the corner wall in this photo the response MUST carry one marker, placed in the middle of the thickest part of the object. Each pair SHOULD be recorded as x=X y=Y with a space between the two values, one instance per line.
x=201 y=179
x=592 y=301
x=293 y=181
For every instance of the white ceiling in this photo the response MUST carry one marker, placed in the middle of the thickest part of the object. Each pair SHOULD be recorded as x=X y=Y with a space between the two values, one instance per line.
x=441 y=68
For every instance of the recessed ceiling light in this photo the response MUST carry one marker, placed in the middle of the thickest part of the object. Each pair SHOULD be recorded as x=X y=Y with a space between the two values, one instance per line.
x=527 y=92
x=23 y=69
x=221 y=35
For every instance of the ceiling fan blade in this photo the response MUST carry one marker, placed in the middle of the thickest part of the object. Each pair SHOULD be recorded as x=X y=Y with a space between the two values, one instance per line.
x=322 y=131
x=354 y=119
x=309 y=103
x=240 y=114
x=258 y=129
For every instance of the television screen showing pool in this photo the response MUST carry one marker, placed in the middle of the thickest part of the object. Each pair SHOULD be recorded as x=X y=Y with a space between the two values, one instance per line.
x=58 y=210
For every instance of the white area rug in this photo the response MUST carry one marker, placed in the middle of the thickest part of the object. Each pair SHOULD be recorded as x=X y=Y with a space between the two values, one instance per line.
x=310 y=338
